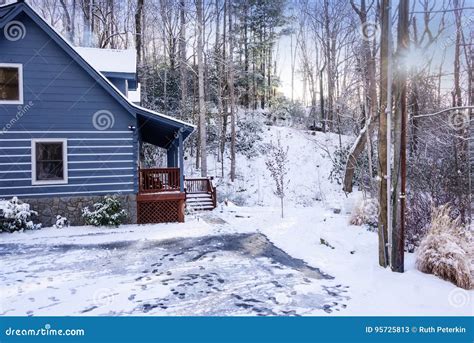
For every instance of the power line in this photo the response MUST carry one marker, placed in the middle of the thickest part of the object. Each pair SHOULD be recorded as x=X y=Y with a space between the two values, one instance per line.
x=444 y=11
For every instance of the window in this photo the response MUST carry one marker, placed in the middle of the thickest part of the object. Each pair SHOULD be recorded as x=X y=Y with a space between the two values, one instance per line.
x=11 y=83
x=49 y=161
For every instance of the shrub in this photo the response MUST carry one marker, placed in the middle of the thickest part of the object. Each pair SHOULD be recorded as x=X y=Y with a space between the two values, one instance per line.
x=445 y=250
x=361 y=174
x=365 y=213
x=418 y=217
x=437 y=174
x=249 y=136
x=61 y=222
x=16 y=215
x=109 y=212
x=284 y=112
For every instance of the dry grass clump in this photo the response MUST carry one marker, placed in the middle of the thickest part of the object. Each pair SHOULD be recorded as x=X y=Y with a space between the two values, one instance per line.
x=446 y=250
x=365 y=213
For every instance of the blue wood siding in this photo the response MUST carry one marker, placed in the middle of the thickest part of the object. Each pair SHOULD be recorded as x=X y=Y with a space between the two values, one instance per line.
x=60 y=100
x=121 y=84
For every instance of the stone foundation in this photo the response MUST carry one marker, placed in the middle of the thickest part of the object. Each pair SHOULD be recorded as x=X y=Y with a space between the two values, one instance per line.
x=71 y=208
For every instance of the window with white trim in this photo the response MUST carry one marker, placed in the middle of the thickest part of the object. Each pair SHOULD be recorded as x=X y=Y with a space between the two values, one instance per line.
x=11 y=83
x=49 y=161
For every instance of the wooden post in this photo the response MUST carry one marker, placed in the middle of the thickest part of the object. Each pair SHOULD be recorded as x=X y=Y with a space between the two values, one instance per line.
x=470 y=132
x=398 y=248
x=181 y=161
x=171 y=156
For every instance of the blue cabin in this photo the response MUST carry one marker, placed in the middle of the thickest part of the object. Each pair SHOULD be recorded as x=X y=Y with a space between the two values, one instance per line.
x=71 y=133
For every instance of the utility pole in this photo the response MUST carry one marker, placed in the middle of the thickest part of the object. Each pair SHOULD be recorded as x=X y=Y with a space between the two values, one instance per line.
x=398 y=233
x=388 y=111
x=382 y=134
x=470 y=131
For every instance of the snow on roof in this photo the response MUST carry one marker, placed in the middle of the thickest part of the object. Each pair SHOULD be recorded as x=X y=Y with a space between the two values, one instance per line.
x=110 y=60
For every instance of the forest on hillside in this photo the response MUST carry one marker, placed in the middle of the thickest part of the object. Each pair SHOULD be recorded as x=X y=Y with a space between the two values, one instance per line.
x=395 y=76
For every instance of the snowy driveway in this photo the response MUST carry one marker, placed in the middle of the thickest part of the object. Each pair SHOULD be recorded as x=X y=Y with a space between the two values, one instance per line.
x=224 y=274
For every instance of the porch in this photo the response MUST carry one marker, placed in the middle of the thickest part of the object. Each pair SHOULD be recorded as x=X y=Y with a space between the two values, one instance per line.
x=163 y=193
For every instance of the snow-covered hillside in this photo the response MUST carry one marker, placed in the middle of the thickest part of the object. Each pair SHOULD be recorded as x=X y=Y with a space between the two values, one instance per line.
x=309 y=167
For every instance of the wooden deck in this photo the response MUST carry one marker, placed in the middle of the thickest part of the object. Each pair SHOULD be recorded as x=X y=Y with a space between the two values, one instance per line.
x=161 y=199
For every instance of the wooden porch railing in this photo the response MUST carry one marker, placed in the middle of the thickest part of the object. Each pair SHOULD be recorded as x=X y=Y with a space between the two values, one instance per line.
x=196 y=185
x=155 y=180
x=201 y=185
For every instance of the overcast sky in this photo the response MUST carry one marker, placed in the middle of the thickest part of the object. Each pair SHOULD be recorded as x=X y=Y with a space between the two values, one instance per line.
x=445 y=45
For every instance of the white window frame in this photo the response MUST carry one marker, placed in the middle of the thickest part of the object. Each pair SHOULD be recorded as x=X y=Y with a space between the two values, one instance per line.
x=20 y=84
x=34 y=181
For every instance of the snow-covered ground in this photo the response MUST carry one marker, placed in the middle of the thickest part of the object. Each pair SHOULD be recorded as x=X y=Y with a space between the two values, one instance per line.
x=236 y=260
x=216 y=268
x=84 y=271
x=353 y=261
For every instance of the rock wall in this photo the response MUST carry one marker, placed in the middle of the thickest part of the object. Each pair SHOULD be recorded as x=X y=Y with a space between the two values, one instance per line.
x=71 y=208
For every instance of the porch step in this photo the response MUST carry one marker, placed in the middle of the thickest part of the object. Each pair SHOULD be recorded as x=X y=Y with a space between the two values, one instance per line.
x=199 y=201
x=198 y=195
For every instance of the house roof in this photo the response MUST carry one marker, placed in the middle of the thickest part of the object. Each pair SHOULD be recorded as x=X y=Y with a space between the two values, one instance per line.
x=168 y=126
x=110 y=60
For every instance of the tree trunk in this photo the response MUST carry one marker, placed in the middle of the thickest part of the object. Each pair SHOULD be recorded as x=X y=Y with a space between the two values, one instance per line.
x=182 y=58
x=357 y=149
x=370 y=105
x=67 y=18
x=202 y=104
x=138 y=34
x=246 y=57
x=382 y=138
x=231 y=93
x=321 y=99
x=282 y=206
x=329 y=64
x=218 y=61
x=462 y=137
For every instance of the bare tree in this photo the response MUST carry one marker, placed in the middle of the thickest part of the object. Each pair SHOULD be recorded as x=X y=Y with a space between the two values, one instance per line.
x=370 y=101
x=69 y=19
x=277 y=164
x=231 y=94
x=139 y=31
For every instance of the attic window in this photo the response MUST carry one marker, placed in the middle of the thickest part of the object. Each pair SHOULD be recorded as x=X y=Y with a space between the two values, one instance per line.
x=11 y=83
x=49 y=161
